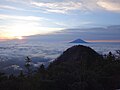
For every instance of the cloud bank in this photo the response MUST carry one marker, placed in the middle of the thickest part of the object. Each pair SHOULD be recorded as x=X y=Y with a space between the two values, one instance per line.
x=66 y=6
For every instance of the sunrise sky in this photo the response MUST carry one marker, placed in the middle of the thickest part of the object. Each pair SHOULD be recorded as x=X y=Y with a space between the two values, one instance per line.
x=29 y=17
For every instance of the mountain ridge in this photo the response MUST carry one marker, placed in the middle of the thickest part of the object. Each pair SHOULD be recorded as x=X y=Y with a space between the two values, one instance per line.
x=78 y=41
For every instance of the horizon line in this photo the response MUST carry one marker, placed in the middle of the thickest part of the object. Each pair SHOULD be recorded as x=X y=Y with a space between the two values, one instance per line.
x=103 y=40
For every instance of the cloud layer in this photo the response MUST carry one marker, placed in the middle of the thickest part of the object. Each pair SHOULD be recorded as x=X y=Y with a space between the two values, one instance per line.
x=65 y=6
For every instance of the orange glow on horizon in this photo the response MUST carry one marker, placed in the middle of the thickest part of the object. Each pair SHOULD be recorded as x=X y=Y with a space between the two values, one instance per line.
x=103 y=40
x=11 y=38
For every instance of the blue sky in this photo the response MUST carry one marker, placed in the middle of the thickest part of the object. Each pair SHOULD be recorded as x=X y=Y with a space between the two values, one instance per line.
x=29 y=17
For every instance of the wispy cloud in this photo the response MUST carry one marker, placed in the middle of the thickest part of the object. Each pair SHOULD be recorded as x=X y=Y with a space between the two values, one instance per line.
x=66 y=6
x=18 y=1
x=81 y=5
x=58 y=7
x=15 y=17
x=111 y=5
x=8 y=7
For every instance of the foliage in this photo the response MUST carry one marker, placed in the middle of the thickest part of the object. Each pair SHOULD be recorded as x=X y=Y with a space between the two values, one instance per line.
x=78 y=68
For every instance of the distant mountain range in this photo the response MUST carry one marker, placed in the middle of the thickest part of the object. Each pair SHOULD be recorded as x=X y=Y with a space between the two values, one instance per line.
x=78 y=41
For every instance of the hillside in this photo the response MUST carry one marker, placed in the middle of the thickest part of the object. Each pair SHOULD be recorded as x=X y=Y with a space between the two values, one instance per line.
x=78 y=68
x=82 y=68
x=78 y=53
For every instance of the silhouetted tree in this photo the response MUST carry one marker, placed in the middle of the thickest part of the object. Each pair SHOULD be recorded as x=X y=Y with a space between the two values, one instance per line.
x=21 y=75
x=110 y=56
x=2 y=77
x=118 y=54
x=28 y=66
x=12 y=77
x=41 y=72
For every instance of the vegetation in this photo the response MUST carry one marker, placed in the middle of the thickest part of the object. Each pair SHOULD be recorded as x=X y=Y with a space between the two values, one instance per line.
x=78 y=68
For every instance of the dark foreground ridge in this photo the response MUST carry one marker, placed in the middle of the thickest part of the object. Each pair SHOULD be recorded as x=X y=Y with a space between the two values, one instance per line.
x=77 y=53
x=78 y=68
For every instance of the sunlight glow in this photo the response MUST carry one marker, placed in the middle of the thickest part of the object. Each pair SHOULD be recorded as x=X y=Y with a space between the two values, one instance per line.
x=18 y=30
x=20 y=37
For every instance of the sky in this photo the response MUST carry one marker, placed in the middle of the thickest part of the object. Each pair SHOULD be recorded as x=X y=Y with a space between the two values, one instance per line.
x=30 y=17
